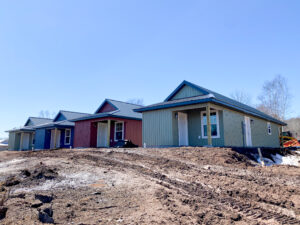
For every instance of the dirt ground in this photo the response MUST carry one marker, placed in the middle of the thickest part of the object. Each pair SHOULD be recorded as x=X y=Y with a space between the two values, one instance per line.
x=145 y=186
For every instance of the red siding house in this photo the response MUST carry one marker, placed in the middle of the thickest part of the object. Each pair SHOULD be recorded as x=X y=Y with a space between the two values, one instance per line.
x=112 y=121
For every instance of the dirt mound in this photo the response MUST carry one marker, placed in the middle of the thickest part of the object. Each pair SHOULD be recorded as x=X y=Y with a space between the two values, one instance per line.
x=41 y=171
x=38 y=174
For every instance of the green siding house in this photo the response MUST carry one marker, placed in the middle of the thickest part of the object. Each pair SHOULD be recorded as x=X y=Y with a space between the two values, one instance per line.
x=195 y=116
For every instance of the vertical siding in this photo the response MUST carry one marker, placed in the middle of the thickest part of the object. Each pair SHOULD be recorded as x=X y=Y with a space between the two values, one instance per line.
x=106 y=108
x=157 y=128
x=133 y=131
x=40 y=135
x=85 y=133
x=233 y=127
x=194 y=125
x=234 y=134
x=11 y=141
x=260 y=136
x=187 y=91
x=82 y=134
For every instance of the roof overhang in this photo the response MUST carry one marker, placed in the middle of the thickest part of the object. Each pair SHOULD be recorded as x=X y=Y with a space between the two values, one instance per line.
x=207 y=100
x=104 y=115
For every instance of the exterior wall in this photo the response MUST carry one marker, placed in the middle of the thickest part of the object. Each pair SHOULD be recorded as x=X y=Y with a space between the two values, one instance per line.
x=85 y=134
x=62 y=138
x=158 y=128
x=61 y=117
x=234 y=132
x=40 y=136
x=106 y=108
x=233 y=127
x=194 y=129
x=12 y=141
x=82 y=134
x=187 y=91
x=260 y=136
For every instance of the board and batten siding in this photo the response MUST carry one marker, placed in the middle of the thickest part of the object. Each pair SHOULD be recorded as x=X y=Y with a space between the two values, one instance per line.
x=157 y=128
x=187 y=92
x=234 y=131
x=12 y=143
x=194 y=126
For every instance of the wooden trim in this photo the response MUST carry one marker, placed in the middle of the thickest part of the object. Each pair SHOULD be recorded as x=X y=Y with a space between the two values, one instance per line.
x=209 y=140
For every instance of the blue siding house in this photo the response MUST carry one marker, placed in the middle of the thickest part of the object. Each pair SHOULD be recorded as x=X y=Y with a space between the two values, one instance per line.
x=59 y=133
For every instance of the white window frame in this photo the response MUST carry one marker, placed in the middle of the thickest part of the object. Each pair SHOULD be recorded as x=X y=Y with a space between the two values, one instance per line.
x=115 y=134
x=68 y=136
x=269 y=128
x=202 y=124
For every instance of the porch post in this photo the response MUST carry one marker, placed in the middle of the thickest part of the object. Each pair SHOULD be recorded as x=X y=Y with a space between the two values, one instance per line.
x=21 y=141
x=55 y=137
x=108 y=132
x=209 y=141
x=281 y=137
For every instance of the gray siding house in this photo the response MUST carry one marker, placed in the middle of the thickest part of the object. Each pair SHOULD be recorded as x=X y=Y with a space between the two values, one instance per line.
x=23 y=138
x=195 y=116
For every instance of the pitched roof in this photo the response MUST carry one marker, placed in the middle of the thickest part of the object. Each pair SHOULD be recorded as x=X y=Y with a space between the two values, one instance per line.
x=69 y=115
x=37 y=120
x=123 y=110
x=209 y=96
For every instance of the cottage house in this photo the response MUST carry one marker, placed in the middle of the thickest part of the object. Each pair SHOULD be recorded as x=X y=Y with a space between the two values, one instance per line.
x=113 y=121
x=195 y=116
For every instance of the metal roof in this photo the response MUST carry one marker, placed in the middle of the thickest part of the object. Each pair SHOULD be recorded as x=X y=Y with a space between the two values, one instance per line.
x=210 y=96
x=69 y=115
x=37 y=120
x=123 y=110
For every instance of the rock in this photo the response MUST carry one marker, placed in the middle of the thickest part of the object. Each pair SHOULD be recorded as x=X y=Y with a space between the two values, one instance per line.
x=45 y=218
x=11 y=181
x=44 y=198
x=36 y=204
x=68 y=205
x=22 y=195
x=3 y=211
x=49 y=211
x=26 y=173
x=236 y=217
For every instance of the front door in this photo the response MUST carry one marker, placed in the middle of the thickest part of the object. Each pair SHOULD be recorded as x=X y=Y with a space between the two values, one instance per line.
x=183 y=129
x=248 y=136
x=26 y=140
x=53 y=139
x=102 y=135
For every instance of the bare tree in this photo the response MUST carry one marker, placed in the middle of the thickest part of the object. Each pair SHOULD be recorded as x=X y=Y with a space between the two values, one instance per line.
x=275 y=97
x=293 y=125
x=46 y=114
x=137 y=101
x=241 y=97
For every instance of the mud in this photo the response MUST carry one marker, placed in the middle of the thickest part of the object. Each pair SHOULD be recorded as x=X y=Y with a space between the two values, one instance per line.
x=148 y=186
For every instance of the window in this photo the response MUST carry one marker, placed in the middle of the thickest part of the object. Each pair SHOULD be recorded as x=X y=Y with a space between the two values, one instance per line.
x=269 y=128
x=119 y=131
x=214 y=122
x=67 y=136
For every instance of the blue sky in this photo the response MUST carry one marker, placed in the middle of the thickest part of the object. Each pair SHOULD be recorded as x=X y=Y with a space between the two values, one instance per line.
x=71 y=55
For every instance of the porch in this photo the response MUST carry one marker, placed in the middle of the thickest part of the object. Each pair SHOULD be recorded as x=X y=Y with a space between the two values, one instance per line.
x=107 y=132
x=200 y=125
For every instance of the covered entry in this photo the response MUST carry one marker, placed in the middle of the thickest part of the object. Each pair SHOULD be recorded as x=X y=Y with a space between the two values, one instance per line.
x=102 y=135
x=55 y=139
